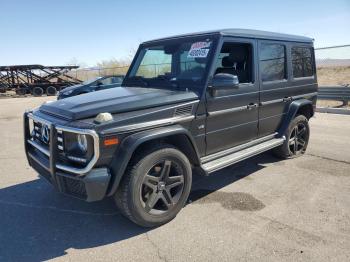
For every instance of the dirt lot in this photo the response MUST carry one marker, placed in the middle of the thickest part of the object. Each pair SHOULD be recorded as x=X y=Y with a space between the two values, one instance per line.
x=262 y=209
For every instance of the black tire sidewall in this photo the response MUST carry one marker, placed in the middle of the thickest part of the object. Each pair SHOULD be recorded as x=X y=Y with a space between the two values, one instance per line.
x=21 y=91
x=136 y=208
x=37 y=91
x=51 y=91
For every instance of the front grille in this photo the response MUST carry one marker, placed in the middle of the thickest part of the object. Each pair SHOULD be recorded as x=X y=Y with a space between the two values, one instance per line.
x=73 y=187
x=38 y=136
x=44 y=138
x=37 y=132
x=60 y=142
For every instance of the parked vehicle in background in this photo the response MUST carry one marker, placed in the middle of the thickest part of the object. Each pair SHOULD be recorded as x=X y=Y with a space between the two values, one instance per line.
x=97 y=84
x=190 y=103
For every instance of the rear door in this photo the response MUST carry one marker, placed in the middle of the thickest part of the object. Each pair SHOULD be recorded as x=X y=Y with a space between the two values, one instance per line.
x=274 y=92
x=233 y=115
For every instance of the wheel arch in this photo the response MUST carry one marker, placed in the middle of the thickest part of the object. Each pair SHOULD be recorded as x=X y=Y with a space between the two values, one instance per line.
x=175 y=135
x=297 y=107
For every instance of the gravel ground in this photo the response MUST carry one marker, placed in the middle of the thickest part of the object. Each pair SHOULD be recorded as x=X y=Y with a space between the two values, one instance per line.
x=262 y=209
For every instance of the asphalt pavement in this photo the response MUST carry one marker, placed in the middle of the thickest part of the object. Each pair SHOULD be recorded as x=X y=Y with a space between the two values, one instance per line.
x=262 y=209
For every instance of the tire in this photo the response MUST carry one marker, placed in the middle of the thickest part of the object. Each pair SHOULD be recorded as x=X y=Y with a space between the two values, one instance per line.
x=155 y=186
x=37 y=91
x=51 y=91
x=21 y=91
x=297 y=139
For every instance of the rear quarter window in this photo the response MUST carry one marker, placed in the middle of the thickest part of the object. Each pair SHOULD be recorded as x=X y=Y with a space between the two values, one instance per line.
x=302 y=62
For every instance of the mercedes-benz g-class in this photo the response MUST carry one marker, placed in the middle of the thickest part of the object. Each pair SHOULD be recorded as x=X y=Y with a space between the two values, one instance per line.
x=198 y=102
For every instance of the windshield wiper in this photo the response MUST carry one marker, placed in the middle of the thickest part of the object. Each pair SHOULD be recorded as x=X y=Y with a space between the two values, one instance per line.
x=137 y=79
x=173 y=81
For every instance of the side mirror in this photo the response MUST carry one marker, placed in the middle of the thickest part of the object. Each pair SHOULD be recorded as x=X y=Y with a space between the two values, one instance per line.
x=222 y=82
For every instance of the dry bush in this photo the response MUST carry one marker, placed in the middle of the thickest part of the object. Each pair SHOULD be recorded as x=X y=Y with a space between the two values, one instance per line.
x=335 y=75
x=107 y=67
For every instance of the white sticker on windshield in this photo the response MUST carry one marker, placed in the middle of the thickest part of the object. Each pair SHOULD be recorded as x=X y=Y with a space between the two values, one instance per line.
x=199 y=49
x=193 y=53
x=199 y=45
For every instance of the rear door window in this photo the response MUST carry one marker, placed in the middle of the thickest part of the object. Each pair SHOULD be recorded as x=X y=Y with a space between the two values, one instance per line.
x=272 y=62
x=302 y=62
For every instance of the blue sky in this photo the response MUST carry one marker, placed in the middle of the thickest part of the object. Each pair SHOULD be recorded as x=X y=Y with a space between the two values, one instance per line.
x=55 y=32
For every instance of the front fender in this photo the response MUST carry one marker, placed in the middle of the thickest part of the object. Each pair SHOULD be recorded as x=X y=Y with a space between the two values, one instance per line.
x=131 y=143
x=292 y=111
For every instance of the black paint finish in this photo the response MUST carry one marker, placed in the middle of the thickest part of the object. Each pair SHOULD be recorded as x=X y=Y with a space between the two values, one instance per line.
x=208 y=123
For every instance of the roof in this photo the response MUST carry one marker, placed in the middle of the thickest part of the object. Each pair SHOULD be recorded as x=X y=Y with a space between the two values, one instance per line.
x=245 y=33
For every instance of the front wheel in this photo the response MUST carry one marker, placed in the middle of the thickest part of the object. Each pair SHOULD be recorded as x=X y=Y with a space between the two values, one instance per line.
x=155 y=186
x=297 y=138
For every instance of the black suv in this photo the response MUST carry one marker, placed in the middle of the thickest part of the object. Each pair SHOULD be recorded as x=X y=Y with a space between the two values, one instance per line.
x=97 y=84
x=190 y=103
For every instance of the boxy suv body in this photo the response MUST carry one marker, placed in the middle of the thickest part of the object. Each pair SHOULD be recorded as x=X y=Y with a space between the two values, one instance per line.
x=197 y=102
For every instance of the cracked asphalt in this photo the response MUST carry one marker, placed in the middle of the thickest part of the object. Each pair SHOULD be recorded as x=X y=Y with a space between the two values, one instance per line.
x=262 y=209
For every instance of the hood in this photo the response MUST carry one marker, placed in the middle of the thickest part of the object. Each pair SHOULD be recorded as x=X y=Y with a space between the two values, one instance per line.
x=115 y=100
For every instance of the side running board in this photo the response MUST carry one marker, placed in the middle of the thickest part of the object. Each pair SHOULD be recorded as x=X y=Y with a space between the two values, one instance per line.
x=235 y=157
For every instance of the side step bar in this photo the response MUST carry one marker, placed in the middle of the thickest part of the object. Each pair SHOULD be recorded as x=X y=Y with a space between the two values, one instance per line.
x=235 y=157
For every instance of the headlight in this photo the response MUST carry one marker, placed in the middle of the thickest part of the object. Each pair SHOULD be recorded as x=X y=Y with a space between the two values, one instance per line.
x=78 y=147
x=82 y=142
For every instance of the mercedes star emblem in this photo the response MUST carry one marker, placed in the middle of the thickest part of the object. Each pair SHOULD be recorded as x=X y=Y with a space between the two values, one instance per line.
x=45 y=134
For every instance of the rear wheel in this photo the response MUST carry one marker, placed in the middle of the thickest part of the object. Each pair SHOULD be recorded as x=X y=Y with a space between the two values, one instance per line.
x=21 y=91
x=155 y=187
x=51 y=91
x=37 y=91
x=297 y=138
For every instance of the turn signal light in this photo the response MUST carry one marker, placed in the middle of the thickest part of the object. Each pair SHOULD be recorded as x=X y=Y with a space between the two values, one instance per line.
x=111 y=141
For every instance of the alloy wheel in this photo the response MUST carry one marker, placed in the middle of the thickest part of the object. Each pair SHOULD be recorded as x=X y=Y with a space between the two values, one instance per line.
x=162 y=187
x=298 y=139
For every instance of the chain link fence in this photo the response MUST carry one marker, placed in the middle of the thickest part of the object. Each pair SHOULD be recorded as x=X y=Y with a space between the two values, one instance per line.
x=333 y=73
x=93 y=72
x=333 y=65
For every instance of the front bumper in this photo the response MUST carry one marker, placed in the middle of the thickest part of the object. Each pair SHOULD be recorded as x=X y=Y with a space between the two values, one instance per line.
x=89 y=184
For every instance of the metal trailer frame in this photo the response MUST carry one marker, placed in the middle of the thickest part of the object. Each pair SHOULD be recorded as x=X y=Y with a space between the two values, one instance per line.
x=36 y=79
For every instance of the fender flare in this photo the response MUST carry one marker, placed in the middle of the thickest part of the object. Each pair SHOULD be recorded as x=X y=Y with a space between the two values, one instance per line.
x=129 y=144
x=292 y=111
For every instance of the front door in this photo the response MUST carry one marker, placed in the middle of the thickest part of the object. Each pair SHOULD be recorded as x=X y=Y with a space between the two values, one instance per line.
x=233 y=114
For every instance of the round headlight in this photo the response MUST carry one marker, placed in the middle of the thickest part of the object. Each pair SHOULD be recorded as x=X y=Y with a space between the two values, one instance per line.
x=82 y=143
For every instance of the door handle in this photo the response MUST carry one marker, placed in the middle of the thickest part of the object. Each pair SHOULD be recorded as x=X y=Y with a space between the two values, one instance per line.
x=287 y=98
x=251 y=106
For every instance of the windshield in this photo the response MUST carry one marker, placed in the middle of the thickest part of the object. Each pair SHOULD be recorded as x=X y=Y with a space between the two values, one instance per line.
x=87 y=82
x=173 y=65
